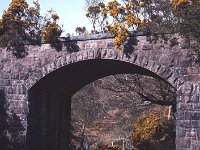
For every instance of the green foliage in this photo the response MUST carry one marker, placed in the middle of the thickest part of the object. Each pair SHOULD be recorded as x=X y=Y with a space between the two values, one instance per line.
x=189 y=24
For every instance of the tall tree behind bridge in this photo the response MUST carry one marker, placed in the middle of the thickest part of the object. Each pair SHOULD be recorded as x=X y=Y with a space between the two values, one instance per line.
x=93 y=13
x=21 y=23
x=155 y=18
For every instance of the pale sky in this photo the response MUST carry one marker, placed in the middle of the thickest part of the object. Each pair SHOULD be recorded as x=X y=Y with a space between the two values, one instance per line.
x=71 y=12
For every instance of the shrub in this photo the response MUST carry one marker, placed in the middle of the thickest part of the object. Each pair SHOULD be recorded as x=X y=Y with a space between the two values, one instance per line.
x=152 y=129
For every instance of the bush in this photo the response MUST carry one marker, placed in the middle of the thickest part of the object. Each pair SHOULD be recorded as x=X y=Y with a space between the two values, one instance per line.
x=151 y=129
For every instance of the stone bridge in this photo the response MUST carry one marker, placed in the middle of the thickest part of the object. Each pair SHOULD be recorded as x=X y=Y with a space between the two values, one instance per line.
x=36 y=91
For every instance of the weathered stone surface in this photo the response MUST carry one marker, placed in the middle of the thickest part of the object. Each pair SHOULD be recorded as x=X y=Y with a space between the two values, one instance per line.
x=195 y=145
x=184 y=142
x=175 y=64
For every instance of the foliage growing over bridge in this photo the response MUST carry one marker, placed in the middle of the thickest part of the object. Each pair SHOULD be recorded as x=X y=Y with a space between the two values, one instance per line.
x=155 y=18
x=21 y=23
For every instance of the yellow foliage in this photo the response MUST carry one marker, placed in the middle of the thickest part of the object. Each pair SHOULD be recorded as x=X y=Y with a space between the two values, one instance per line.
x=120 y=31
x=149 y=127
x=131 y=19
x=104 y=11
x=145 y=128
x=18 y=5
x=113 y=8
x=177 y=3
x=130 y=15
x=51 y=32
x=97 y=14
x=19 y=14
x=123 y=18
x=165 y=112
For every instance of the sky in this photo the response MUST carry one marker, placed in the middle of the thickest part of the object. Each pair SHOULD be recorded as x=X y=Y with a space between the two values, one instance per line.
x=71 y=12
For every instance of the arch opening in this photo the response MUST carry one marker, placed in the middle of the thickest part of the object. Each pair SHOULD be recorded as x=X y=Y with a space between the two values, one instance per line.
x=106 y=114
x=50 y=99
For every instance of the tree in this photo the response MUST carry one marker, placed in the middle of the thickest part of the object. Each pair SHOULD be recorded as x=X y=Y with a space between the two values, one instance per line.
x=155 y=18
x=123 y=18
x=149 y=90
x=151 y=130
x=120 y=99
x=187 y=13
x=85 y=111
x=97 y=19
x=21 y=23
x=51 y=30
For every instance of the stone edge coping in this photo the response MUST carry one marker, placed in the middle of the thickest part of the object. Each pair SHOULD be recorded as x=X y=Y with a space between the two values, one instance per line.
x=93 y=36
x=85 y=37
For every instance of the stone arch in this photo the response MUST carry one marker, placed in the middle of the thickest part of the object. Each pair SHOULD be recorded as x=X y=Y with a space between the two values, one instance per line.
x=161 y=70
x=91 y=58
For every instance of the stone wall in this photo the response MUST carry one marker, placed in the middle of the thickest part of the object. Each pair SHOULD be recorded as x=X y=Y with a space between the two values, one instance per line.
x=175 y=63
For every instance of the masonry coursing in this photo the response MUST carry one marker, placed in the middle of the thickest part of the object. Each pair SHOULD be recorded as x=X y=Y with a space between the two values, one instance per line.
x=176 y=64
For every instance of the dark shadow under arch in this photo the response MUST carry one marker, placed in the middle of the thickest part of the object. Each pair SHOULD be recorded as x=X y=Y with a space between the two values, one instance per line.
x=74 y=76
x=50 y=99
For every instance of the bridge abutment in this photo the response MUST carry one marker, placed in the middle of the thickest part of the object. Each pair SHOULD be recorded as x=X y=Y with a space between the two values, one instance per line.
x=48 y=120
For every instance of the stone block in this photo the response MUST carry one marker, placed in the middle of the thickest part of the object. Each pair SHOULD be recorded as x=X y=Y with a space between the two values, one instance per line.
x=198 y=135
x=147 y=47
x=188 y=115
x=196 y=116
x=23 y=76
x=5 y=82
x=110 y=45
x=85 y=55
x=197 y=106
x=181 y=132
x=195 y=124
x=194 y=99
x=187 y=88
x=184 y=123
x=191 y=134
x=5 y=76
x=133 y=58
x=184 y=142
x=90 y=54
x=195 y=145
x=103 y=53
x=68 y=59
x=192 y=70
x=180 y=115
x=186 y=63
x=185 y=106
